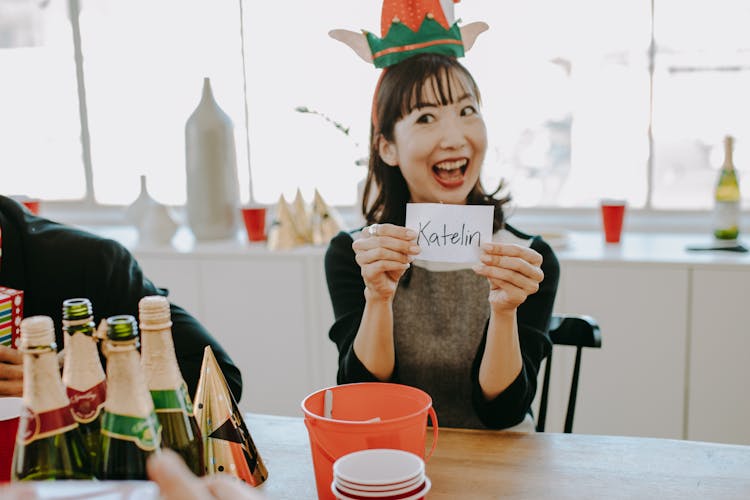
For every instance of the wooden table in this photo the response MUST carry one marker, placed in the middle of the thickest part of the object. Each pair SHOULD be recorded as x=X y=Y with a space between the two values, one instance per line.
x=491 y=464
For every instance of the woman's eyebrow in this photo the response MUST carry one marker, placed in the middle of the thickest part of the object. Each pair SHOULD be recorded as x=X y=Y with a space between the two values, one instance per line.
x=429 y=104
x=421 y=105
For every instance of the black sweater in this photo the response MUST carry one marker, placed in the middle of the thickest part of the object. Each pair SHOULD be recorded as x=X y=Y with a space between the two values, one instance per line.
x=346 y=288
x=52 y=262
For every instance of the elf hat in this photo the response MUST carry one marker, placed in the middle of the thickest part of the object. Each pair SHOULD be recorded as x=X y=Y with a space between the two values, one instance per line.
x=410 y=27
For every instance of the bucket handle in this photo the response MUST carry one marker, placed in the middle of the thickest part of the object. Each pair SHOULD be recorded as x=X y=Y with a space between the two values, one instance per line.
x=430 y=411
x=311 y=430
x=433 y=417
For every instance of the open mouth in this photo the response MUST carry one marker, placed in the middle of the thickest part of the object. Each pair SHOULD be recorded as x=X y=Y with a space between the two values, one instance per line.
x=450 y=173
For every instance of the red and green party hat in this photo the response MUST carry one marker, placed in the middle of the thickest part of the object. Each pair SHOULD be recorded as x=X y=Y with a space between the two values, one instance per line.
x=410 y=27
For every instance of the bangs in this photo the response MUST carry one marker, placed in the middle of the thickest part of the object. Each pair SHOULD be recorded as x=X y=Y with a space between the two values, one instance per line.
x=446 y=84
x=425 y=79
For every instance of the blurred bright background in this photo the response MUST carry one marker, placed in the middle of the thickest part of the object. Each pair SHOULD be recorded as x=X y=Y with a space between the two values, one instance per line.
x=583 y=99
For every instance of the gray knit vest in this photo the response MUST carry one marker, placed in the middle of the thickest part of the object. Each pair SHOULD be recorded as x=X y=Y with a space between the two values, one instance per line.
x=439 y=318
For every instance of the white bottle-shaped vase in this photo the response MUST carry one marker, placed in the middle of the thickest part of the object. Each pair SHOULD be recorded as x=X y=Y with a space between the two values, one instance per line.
x=212 y=187
x=136 y=210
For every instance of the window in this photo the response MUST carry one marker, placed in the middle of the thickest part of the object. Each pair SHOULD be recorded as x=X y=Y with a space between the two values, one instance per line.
x=40 y=147
x=583 y=99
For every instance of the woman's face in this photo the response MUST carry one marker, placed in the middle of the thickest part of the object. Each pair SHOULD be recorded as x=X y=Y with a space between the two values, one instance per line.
x=439 y=148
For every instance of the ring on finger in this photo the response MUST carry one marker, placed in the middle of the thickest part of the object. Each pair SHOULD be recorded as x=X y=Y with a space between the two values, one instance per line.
x=373 y=229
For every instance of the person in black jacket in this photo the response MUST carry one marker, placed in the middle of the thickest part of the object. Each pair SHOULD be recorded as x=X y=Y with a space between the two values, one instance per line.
x=52 y=262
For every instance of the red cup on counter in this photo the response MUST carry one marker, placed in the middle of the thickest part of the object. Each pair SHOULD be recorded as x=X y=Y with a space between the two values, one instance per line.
x=32 y=205
x=255 y=223
x=613 y=214
x=10 y=414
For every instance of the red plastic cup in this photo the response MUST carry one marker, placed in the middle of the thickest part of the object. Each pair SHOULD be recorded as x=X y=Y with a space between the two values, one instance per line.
x=10 y=413
x=613 y=213
x=255 y=223
x=32 y=205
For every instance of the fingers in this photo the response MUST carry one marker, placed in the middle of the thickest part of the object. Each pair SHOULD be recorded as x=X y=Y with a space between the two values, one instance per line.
x=394 y=243
x=381 y=278
x=11 y=388
x=498 y=275
x=226 y=487
x=177 y=482
x=174 y=479
x=11 y=372
x=401 y=240
x=18 y=491
x=510 y=250
x=371 y=271
x=10 y=355
x=513 y=268
x=384 y=252
x=389 y=230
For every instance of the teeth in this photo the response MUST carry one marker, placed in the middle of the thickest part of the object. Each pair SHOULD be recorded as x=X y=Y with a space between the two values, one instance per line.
x=451 y=165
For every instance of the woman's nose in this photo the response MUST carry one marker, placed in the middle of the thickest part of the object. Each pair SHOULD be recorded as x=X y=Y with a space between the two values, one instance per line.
x=453 y=135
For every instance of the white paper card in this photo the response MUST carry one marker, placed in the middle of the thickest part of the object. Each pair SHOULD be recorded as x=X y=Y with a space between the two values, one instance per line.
x=450 y=233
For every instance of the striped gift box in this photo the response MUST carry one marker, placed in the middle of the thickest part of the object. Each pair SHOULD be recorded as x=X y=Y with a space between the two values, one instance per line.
x=11 y=313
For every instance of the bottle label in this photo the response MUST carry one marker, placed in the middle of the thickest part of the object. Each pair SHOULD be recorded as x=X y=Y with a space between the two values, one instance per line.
x=726 y=219
x=144 y=432
x=42 y=425
x=88 y=404
x=173 y=400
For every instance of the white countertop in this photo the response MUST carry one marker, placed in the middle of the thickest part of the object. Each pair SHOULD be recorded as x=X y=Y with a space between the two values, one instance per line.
x=648 y=248
x=573 y=246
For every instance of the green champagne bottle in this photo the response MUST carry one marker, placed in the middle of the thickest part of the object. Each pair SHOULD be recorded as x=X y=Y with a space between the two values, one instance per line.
x=48 y=443
x=83 y=374
x=727 y=198
x=174 y=408
x=130 y=429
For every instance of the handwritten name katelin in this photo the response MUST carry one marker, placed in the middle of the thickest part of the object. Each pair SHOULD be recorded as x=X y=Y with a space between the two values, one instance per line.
x=463 y=238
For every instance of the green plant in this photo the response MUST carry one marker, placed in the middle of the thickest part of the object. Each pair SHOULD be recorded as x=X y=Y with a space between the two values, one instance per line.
x=344 y=129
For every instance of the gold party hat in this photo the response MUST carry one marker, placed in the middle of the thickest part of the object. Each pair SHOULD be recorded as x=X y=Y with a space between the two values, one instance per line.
x=283 y=233
x=302 y=217
x=227 y=444
x=326 y=222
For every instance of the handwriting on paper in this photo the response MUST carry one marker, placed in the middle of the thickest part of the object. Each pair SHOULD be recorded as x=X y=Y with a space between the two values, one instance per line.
x=450 y=233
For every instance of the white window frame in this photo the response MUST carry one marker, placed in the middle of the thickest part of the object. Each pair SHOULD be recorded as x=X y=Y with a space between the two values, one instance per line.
x=88 y=212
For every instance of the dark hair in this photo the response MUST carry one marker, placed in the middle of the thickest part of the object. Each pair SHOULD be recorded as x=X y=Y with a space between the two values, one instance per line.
x=400 y=91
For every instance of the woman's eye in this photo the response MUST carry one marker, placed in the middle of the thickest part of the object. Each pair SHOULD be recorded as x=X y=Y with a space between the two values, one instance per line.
x=468 y=111
x=426 y=118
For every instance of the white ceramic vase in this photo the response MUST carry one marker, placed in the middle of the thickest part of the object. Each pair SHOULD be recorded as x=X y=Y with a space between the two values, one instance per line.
x=213 y=200
x=154 y=221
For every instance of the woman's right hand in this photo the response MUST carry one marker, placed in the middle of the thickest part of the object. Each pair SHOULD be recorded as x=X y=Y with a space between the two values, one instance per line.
x=384 y=252
x=177 y=482
x=11 y=372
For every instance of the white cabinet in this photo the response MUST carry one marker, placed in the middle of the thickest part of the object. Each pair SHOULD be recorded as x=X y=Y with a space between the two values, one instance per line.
x=635 y=384
x=256 y=309
x=179 y=277
x=719 y=368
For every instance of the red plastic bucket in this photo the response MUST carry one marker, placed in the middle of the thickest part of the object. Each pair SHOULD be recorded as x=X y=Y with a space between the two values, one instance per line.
x=364 y=416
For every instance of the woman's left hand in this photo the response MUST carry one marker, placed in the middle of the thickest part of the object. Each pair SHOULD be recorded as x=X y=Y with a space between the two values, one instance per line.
x=514 y=273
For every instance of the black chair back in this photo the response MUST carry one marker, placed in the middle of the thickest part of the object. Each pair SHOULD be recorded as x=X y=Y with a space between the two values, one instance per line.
x=577 y=331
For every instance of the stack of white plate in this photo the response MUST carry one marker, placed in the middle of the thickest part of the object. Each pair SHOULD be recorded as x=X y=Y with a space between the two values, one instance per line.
x=379 y=474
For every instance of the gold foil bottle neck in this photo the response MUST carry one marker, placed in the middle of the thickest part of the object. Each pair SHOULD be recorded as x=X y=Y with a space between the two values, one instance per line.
x=158 y=359
x=37 y=331
x=154 y=313
x=42 y=385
